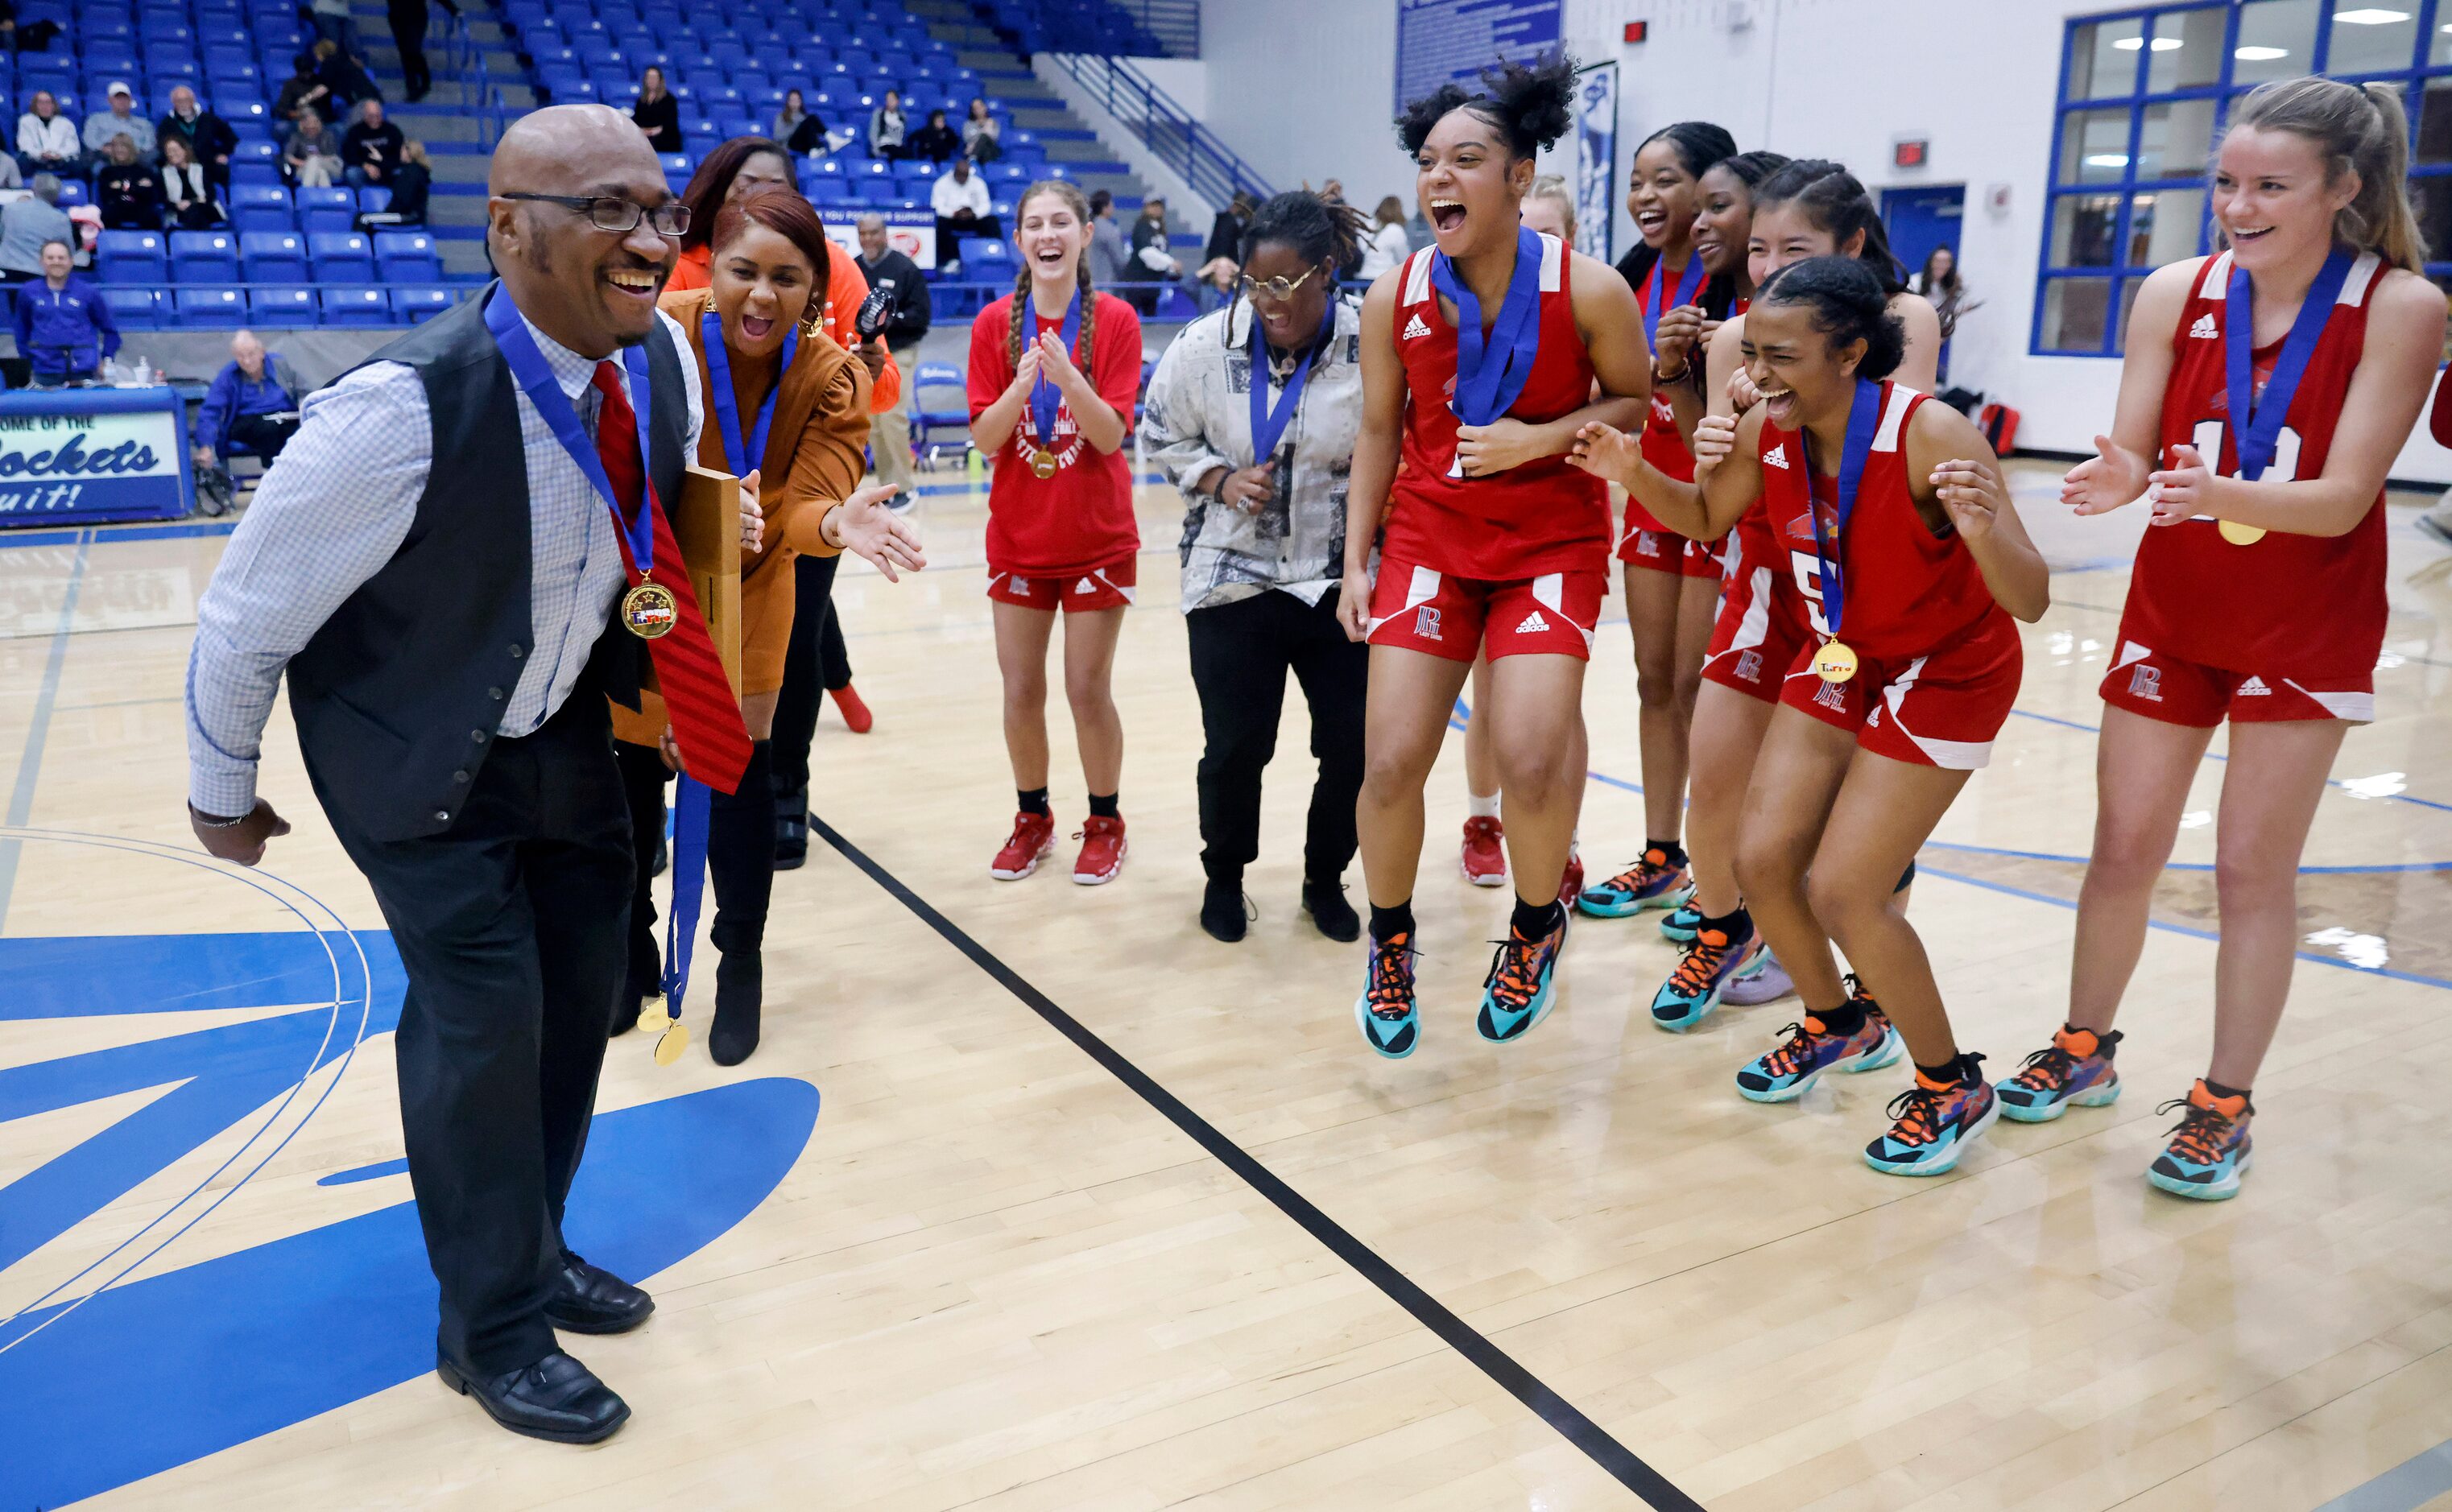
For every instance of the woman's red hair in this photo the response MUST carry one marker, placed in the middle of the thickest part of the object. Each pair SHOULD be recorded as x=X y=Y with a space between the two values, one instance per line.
x=785 y=213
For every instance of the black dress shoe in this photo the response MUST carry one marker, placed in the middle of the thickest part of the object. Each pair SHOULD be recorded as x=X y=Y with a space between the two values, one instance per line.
x=1223 y=912
x=1325 y=903
x=590 y=1298
x=557 y=1398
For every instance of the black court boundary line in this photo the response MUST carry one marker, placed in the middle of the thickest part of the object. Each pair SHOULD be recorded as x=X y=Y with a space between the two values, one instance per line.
x=1620 y=1462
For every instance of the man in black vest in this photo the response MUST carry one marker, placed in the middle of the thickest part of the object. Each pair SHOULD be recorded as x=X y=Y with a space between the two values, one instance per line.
x=435 y=571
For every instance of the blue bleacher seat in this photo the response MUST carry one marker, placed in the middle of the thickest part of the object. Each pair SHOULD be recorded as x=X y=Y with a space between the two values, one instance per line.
x=204 y=256
x=344 y=257
x=273 y=257
x=293 y=307
x=249 y=173
x=979 y=252
x=131 y=257
x=135 y=309
x=420 y=304
x=374 y=198
x=364 y=305
x=329 y=211
x=255 y=152
x=256 y=206
x=917 y=170
x=954 y=417
x=246 y=115
x=211 y=308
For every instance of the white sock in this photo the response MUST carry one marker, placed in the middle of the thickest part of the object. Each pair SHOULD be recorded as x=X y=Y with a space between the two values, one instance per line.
x=1477 y=807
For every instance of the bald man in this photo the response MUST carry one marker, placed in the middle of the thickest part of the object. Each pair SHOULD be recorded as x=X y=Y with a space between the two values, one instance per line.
x=434 y=564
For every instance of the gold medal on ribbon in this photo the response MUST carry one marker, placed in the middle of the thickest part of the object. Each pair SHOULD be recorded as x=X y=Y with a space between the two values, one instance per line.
x=1835 y=661
x=653 y=1016
x=1042 y=462
x=2239 y=535
x=670 y=1044
x=650 y=611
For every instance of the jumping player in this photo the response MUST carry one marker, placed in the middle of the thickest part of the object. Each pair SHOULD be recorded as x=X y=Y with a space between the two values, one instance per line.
x=1479 y=360
x=2265 y=392
x=1668 y=603
x=1054 y=368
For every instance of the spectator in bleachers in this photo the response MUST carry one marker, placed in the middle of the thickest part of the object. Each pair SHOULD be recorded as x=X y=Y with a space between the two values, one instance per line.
x=964 y=208
x=187 y=198
x=127 y=189
x=28 y=225
x=370 y=149
x=121 y=120
x=936 y=141
x=12 y=177
x=410 y=184
x=886 y=126
x=983 y=139
x=64 y=325
x=907 y=321
x=47 y=141
x=253 y=401
x=1151 y=263
x=301 y=90
x=210 y=140
x=1109 y=251
x=1388 y=242
x=344 y=79
x=1218 y=267
x=657 y=114
x=311 y=160
x=795 y=126
x=408 y=19
x=332 y=23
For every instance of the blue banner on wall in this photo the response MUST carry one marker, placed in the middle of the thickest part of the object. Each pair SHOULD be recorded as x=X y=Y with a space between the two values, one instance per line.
x=72 y=456
x=1597 y=162
x=1441 y=40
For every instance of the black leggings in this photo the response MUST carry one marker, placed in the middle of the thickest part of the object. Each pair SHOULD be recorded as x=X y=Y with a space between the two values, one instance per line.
x=1240 y=655
x=740 y=857
x=816 y=662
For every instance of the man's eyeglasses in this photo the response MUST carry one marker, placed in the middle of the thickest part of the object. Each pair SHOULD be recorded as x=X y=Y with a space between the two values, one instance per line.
x=1274 y=287
x=611 y=213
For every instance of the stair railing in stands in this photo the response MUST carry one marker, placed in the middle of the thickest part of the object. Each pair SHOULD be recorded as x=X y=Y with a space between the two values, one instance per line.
x=1164 y=127
x=464 y=62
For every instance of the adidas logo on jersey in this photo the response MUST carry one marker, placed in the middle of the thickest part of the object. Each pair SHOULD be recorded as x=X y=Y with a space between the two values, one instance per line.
x=2254 y=688
x=1533 y=624
x=2204 y=330
x=1776 y=457
x=1416 y=327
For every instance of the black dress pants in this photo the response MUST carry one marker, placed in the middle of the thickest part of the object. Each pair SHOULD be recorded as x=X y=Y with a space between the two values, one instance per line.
x=740 y=859
x=510 y=925
x=1240 y=655
x=816 y=661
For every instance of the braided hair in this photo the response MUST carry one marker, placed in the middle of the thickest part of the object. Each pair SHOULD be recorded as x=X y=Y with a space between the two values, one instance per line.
x=1017 y=317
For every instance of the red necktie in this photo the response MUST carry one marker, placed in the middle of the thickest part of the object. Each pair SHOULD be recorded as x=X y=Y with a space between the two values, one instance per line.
x=689 y=672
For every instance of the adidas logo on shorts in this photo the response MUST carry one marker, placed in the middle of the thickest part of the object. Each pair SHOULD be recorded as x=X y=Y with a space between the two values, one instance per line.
x=1776 y=457
x=1085 y=586
x=2254 y=688
x=1416 y=327
x=1533 y=624
x=2204 y=330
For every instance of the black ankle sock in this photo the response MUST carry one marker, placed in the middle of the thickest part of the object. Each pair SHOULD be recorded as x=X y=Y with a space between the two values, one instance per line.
x=1386 y=924
x=1906 y=878
x=1846 y=1019
x=1532 y=920
x=1034 y=800
x=1949 y=1072
x=1670 y=849
x=1105 y=808
x=1736 y=923
x=2220 y=1090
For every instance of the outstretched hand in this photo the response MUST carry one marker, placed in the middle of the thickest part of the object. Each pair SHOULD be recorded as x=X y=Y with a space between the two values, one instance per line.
x=2113 y=477
x=863 y=527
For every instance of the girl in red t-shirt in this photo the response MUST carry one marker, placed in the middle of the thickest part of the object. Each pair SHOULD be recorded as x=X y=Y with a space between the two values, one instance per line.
x=1054 y=368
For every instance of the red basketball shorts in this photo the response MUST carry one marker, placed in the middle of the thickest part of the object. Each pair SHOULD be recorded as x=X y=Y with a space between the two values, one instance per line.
x=1938 y=710
x=1107 y=587
x=1421 y=609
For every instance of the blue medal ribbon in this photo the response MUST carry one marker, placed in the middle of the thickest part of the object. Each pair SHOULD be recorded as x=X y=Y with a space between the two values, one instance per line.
x=535 y=378
x=1690 y=284
x=691 y=807
x=1491 y=370
x=1269 y=422
x=1046 y=396
x=1864 y=419
x=744 y=457
x=2256 y=424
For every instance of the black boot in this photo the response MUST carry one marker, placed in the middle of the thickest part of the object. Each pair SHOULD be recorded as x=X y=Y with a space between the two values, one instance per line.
x=739 y=981
x=1221 y=909
x=741 y=862
x=791 y=830
x=1325 y=903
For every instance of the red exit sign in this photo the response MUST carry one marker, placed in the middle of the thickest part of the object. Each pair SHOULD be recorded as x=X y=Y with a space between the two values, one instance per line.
x=1910 y=151
x=1638 y=30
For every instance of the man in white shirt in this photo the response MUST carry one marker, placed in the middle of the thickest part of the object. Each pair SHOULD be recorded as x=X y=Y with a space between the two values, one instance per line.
x=964 y=208
x=120 y=120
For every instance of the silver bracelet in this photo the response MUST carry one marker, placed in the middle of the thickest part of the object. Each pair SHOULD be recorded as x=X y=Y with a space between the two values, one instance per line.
x=210 y=822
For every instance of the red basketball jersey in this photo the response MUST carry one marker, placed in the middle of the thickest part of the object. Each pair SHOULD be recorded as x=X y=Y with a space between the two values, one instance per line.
x=2308 y=605
x=1907 y=591
x=1663 y=447
x=1541 y=517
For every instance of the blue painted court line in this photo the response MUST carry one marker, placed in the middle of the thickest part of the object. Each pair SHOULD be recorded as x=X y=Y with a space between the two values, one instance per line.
x=2212 y=755
x=29 y=762
x=11 y=539
x=2405 y=1488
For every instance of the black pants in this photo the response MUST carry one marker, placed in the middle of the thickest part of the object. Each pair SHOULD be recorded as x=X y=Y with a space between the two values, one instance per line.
x=816 y=661
x=408 y=19
x=739 y=859
x=510 y=925
x=1240 y=655
x=262 y=433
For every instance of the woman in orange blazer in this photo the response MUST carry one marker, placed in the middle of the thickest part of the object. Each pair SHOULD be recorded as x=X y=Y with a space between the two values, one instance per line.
x=787 y=412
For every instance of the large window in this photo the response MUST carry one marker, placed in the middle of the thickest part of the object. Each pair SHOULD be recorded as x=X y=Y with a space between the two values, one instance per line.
x=2143 y=98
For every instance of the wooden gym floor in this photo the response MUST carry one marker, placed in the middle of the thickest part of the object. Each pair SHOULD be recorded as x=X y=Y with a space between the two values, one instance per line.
x=993 y=1273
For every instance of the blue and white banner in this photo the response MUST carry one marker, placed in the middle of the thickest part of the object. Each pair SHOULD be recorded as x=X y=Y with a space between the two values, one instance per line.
x=80 y=454
x=1442 y=40
x=1597 y=162
x=913 y=233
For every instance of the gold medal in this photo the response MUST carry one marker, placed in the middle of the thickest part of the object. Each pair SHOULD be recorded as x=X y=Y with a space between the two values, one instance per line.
x=2239 y=535
x=1835 y=661
x=670 y=1044
x=653 y=1016
x=1042 y=462
x=649 y=611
